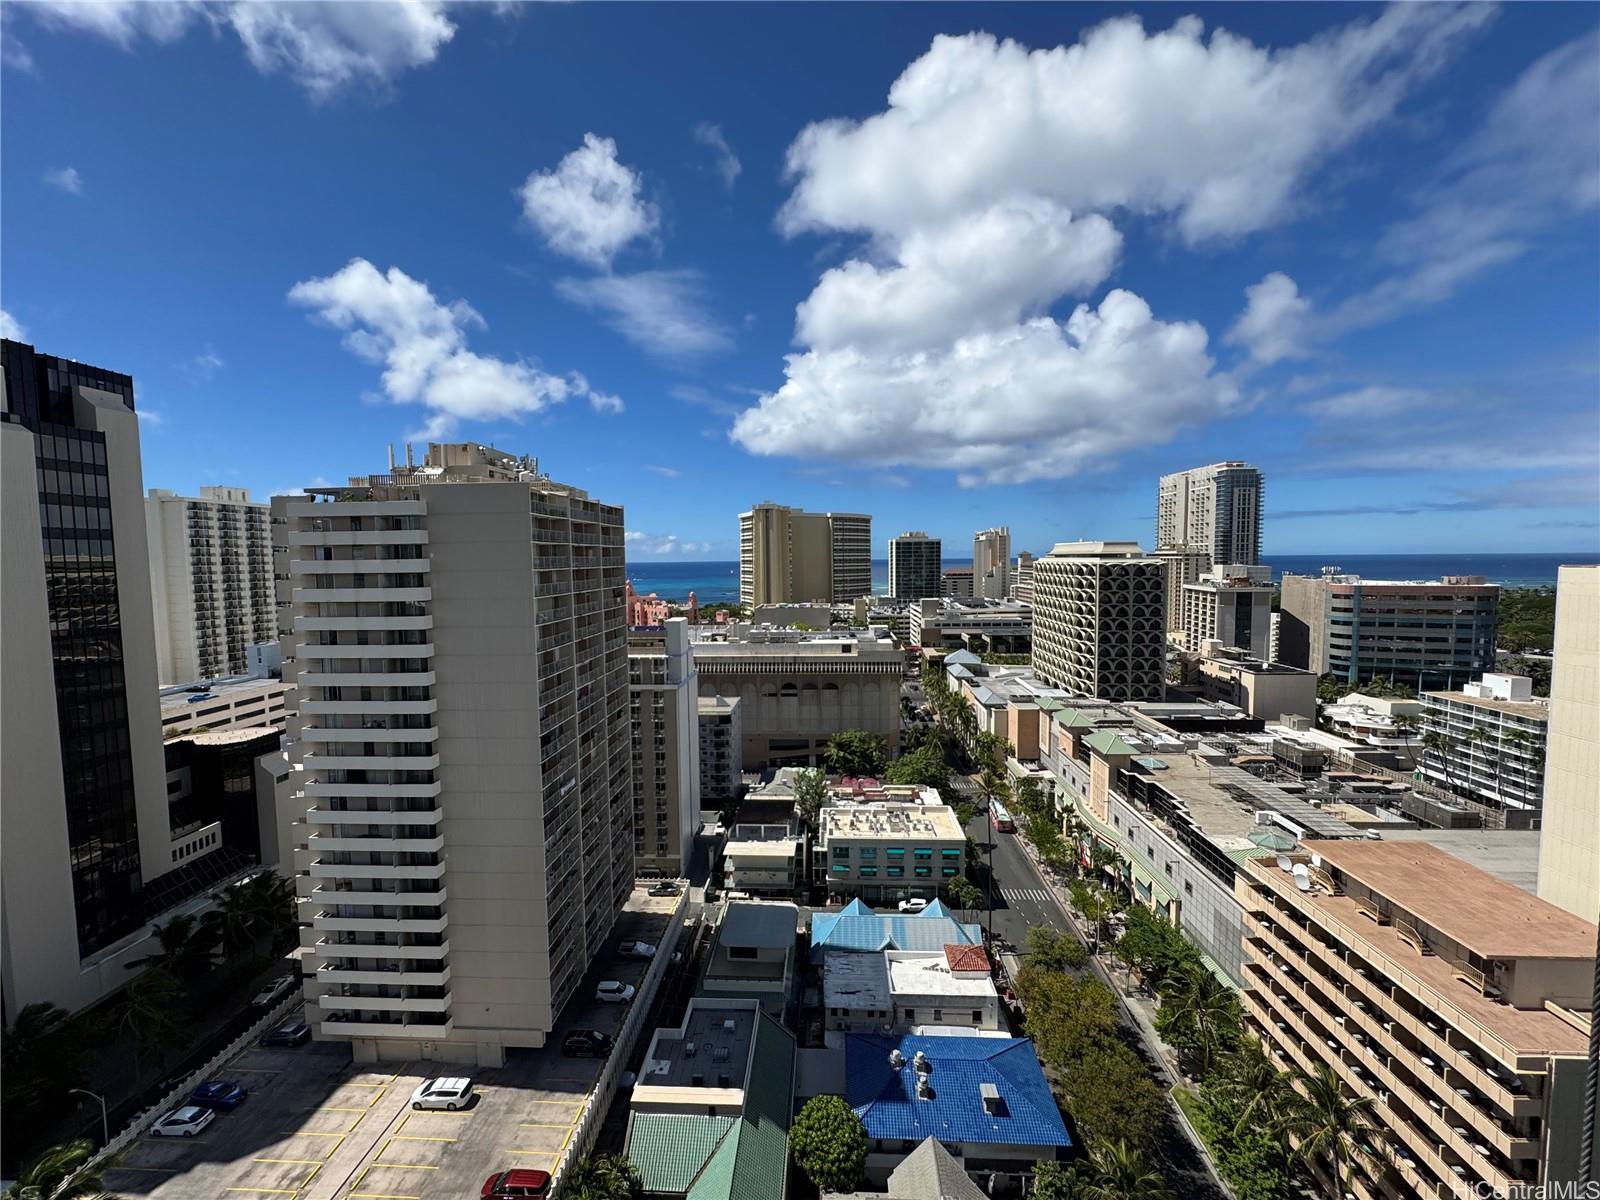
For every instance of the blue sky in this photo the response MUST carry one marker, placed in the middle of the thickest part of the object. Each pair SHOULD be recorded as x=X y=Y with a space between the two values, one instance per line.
x=953 y=266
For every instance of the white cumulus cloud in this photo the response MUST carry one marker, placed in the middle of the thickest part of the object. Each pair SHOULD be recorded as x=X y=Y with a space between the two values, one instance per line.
x=65 y=179
x=325 y=46
x=662 y=544
x=11 y=328
x=395 y=320
x=1032 y=401
x=590 y=205
x=726 y=161
x=664 y=313
x=1273 y=324
x=1216 y=130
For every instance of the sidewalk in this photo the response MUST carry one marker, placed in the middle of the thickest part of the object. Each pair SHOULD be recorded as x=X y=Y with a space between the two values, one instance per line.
x=1139 y=1011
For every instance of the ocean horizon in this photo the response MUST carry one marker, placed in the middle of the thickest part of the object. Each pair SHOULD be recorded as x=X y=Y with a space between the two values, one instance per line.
x=717 y=582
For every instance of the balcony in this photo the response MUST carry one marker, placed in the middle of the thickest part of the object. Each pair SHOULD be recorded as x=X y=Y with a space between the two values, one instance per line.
x=318 y=816
x=307 y=650
x=358 y=537
x=329 y=895
x=378 y=844
x=381 y=624
x=364 y=707
x=328 y=870
x=416 y=791
x=366 y=679
x=345 y=1030
x=387 y=925
x=379 y=761
x=361 y=595
x=337 y=976
x=360 y=566
x=408 y=1004
x=364 y=733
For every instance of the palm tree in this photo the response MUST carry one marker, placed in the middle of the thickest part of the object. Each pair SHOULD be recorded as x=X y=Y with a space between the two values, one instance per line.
x=235 y=922
x=270 y=899
x=184 y=947
x=602 y=1177
x=1267 y=1094
x=1440 y=743
x=149 y=1014
x=1117 y=1171
x=1330 y=1126
x=1406 y=726
x=42 y=1179
x=1199 y=1009
x=1482 y=738
x=41 y=1056
x=1520 y=741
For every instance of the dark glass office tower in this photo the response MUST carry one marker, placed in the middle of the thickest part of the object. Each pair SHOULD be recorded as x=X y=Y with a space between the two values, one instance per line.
x=79 y=548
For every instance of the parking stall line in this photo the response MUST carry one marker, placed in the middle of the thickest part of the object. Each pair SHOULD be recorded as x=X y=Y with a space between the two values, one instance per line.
x=265 y=1191
x=292 y=1162
x=405 y=1166
x=381 y=1196
x=417 y=1137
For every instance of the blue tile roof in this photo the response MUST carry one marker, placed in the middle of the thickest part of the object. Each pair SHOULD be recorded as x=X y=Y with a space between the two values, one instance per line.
x=857 y=928
x=886 y=1099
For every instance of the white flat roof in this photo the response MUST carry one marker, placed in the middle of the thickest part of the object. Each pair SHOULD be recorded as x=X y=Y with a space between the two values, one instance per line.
x=929 y=975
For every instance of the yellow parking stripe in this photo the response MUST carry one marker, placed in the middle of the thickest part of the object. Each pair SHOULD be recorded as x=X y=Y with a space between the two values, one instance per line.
x=293 y=1162
x=309 y=1133
x=417 y=1137
x=543 y=1125
x=265 y=1191
x=405 y=1166
x=332 y=1108
x=381 y=1196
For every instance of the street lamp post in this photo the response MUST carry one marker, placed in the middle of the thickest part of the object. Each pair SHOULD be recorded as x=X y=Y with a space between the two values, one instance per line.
x=105 y=1125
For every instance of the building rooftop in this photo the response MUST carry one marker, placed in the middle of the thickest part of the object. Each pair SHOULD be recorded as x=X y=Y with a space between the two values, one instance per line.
x=1532 y=710
x=762 y=924
x=1511 y=855
x=856 y=981
x=891 y=820
x=967 y=958
x=182 y=698
x=985 y=1090
x=857 y=928
x=1095 y=550
x=782 y=847
x=917 y=973
x=1468 y=905
x=709 y=1053
x=759 y=809
x=715 y=706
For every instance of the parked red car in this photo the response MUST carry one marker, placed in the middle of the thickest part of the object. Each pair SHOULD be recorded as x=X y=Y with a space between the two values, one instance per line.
x=516 y=1185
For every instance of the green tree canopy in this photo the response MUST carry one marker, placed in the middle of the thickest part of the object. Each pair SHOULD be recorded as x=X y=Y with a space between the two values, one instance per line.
x=829 y=1143
x=44 y=1177
x=810 y=790
x=964 y=893
x=1053 y=950
x=857 y=752
x=602 y=1177
x=924 y=767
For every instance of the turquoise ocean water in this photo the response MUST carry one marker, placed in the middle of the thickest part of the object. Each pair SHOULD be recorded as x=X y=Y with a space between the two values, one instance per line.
x=714 y=582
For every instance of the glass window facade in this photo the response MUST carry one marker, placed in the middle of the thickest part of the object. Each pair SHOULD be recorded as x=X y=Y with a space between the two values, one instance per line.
x=80 y=568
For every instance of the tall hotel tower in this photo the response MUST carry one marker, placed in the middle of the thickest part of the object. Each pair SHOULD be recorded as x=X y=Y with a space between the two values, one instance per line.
x=455 y=634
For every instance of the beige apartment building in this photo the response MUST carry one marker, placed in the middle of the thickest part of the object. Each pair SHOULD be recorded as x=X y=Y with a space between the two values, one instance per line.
x=1456 y=1001
x=787 y=554
x=1230 y=604
x=796 y=689
x=1099 y=621
x=211 y=581
x=991 y=563
x=1569 y=845
x=459 y=730
x=664 y=708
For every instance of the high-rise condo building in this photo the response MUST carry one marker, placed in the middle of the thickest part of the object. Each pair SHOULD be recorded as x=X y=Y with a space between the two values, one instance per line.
x=459 y=725
x=956 y=582
x=788 y=555
x=1231 y=604
x=211 y=581
x=1184 y=565
x=1099 y=621
x=664 y=702
x=1436 y=634
x=914 y=566
x=1215 y=510
x=991 y=563
x=1022 y=579
x=82 y=775
x=1453 y=1001
x=1569 y=844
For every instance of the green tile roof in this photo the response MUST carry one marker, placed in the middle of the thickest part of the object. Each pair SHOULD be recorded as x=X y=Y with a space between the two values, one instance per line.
x=1050 y=704
x=1073 y=719
x=670 y=1151
x=1107 y=743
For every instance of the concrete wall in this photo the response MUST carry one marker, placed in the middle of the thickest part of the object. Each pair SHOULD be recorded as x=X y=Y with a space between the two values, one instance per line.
x=1569 y=844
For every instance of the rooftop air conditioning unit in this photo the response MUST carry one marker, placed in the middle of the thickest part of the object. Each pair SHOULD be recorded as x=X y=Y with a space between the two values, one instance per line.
x=689 y=1049
x=729 y=1025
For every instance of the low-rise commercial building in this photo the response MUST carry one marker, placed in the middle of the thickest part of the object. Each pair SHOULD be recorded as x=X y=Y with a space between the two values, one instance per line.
x=998 y=626
x=889 y=851
x=1266 y=690
x=763 y=855
x=1378 y=721
x=796 y=689
x=709 y=1115
x=1427 y=634
x=985 y=1098
x=753 y=953
x=856 y=929
x=241 y=702
x=1456 y=1002
x=952 y=986
x=1497 y=734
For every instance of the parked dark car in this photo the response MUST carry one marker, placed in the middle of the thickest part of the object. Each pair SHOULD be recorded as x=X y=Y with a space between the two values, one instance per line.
x=224 y=1095
x=586 y=1043
x=290 y=1033
x=667 y=888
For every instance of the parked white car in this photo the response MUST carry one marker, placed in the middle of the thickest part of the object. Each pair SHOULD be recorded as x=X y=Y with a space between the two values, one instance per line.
x=914 y=905
x=448 y=1094
x=274 y=991
x=612 y=992
x=633 y=949
x=183 y=1122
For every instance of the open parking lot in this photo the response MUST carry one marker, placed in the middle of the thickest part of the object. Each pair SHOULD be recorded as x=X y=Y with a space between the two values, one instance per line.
x=318 y=1127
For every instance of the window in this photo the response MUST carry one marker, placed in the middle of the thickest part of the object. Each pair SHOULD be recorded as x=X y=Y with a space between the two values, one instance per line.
x=895 y=872
x=923 y=872
x=956 y=853
x=1188 y=888
x=949 y=871
x=895 y=852
x=977 y=1016
x=841 y=868
x=841 y=852
x=911 y=1016
x=869 y=853
x=868 y=872
x=924 y=853
x=938 y=1015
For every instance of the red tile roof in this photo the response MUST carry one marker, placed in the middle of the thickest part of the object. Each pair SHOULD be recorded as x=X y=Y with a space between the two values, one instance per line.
x=966 y=958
